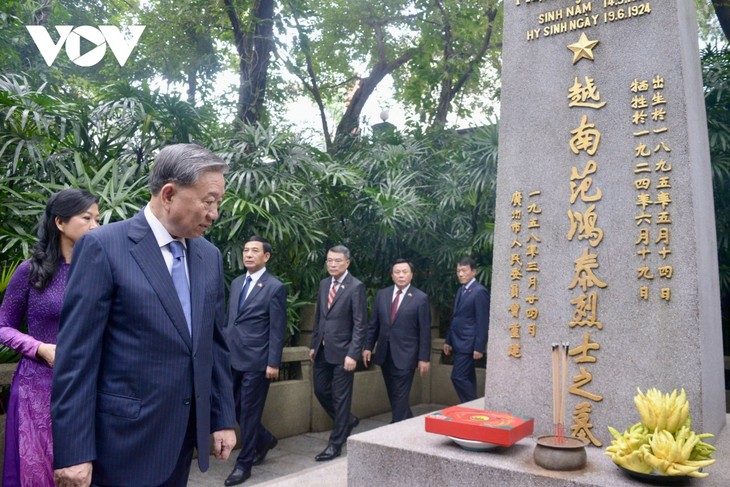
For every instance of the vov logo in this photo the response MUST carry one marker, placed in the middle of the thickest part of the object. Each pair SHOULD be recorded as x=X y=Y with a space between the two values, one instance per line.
x=104 y=35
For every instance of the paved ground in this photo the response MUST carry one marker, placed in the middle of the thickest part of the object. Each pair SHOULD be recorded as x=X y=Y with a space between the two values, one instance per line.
x=292 y=463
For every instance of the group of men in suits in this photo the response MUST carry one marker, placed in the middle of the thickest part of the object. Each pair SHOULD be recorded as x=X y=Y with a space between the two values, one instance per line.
x=148 y=366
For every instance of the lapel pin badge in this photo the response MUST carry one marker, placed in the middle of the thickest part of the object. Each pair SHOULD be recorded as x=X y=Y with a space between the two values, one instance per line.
x=410 y=295
x=260 y=285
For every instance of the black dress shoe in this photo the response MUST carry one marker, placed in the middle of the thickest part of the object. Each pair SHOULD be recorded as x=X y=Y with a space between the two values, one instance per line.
x=329 y=453
x=259 y=457
x=238 y=476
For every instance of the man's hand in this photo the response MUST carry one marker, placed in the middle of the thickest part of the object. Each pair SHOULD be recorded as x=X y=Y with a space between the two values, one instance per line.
x=478 y=355
x=447 y=349
x=311 y=355
x=423 y=367
x=366 y=355
x=73 y=476
x=350 y=364
x=47 y=352
x=272 y=372
x=223 y=443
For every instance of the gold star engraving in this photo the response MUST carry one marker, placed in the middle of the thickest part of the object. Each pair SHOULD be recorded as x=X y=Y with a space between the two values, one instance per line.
x=583 y=48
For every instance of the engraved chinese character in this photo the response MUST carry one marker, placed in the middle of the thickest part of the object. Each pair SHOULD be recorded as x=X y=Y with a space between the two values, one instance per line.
x=586 y=138
x=666 y=294
x=584 y=275
x=665 y=272
x=639 y=85
x=514 y=310
x=584 y=350
x=514 y=350
x=644 y=273
x=644 y=293
x=586 y=96
x=585 y=312
x=585 y=185
x=580 y=380
x=514 y=330
x=584 y=225
x=582 y=426
x=517 y=198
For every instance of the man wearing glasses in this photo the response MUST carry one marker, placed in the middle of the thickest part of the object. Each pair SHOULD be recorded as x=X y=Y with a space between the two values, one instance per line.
x=340 y=323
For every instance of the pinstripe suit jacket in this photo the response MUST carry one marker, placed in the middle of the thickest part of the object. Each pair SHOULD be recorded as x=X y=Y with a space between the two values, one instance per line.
x=343 y=326
x=127 y=372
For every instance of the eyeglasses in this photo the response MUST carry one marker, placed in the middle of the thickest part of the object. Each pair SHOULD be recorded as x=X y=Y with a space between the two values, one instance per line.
x=335 y=261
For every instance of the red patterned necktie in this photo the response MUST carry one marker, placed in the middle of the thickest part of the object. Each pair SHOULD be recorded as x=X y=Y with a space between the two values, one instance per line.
x=394 y=306
x=333 y=291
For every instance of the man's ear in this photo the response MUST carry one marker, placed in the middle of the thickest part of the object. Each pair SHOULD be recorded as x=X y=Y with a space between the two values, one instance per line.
x=167 y=194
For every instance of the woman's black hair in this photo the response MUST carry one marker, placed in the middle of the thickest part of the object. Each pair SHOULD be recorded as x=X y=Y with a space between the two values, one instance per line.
x=47 y=256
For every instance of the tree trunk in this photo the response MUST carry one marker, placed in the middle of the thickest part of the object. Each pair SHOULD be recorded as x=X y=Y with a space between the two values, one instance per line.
x=253 y=45
x=350 y=121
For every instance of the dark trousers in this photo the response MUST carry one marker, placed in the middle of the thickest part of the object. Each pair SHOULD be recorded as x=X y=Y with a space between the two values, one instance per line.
x=250 y=390
x=464 y=377
x=333 y=388
x=398 y=384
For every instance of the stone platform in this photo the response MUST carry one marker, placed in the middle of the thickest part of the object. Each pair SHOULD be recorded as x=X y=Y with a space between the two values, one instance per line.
x=404 y=455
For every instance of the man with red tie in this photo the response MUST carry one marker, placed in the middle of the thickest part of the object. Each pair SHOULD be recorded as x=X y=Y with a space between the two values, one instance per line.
x=401 y=326
x=340 y=323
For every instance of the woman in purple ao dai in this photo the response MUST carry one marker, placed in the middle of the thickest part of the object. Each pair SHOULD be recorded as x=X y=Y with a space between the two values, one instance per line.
x=34 y=297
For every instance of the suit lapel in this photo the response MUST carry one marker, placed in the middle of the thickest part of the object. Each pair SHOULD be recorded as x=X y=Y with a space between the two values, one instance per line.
x=148 y=256
x=259 y=287
x=252 y=294
x=235 y=296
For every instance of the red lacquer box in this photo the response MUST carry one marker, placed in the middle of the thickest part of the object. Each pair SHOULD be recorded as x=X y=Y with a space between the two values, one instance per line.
x=477 y=424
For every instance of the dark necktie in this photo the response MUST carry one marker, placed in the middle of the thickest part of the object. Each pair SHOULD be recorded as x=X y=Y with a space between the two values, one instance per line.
x=460 y=294
x=180 y=280
x=394 y=306
x=244 y=291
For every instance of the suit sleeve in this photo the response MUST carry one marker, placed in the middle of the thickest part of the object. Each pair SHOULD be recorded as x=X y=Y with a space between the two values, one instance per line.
x=85 y=313
x=373 y=325
x=359 y=322
x=315 y=327
x=424 y=330
x=481 y=312
x=277 y=326
x=222 y=405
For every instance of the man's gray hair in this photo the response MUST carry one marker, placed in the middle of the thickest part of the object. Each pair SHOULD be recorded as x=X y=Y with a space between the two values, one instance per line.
x=341 y=249
x=183 y=164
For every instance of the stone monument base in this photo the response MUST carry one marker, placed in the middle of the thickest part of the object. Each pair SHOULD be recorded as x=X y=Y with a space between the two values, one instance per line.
x=404 y=455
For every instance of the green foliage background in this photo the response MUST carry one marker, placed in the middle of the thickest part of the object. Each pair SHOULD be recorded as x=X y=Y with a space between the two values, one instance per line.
x=422 y=193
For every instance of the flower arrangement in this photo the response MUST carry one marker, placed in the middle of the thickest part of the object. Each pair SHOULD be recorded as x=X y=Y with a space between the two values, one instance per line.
x=663 y=443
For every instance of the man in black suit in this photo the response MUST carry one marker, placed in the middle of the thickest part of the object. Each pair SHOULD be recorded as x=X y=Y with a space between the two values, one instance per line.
x=142 y=374
x=255 y=332
x=340 y=323
x=401 y=326
x=469 y=330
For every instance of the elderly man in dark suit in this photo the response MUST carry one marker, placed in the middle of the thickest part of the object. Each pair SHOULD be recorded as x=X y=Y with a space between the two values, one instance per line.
x=142 y=374
x=255 y=332
x=469 y=330
x=400 y=324
x=340 y=323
